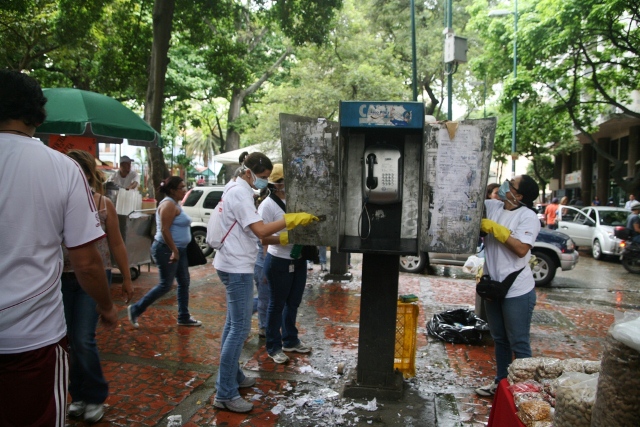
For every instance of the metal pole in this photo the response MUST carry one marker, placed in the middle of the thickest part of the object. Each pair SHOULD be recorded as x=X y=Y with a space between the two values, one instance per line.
x=514 y=130
x=450 y=66
x=484 y=98
x=413 y=52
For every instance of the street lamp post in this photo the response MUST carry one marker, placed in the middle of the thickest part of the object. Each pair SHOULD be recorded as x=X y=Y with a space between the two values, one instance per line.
x=514 y=125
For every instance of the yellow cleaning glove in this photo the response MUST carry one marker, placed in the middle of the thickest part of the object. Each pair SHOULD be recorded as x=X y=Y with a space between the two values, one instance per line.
x=292 y=220
x=500 y=232
x=284 y=238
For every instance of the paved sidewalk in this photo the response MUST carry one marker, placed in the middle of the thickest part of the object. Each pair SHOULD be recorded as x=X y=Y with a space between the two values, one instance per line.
x=162 y=370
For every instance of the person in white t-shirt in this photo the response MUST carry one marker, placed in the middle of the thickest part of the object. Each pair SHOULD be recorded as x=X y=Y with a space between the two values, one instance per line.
x=287 y=278
x=632 y=199
x=512 y=227
x=46 y=202
x=125 y=177
x=234 y=263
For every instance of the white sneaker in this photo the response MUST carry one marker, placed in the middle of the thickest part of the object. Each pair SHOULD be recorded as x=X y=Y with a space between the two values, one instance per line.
x=132 y=318
x=487 y=390
x=93 y=412
x=76 y=408
x=279 y=357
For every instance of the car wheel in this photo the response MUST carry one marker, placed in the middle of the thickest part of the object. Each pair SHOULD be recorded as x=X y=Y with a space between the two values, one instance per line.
x=413 y=263
x=200 y=237
x=545 y=270
x=596 y=250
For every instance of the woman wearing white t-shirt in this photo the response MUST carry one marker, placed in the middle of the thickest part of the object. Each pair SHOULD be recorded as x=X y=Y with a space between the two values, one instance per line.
x=512 y=226
x=234 y=263
x=287 y=278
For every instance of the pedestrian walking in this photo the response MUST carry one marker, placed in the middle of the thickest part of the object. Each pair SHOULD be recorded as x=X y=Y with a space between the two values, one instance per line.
x=234 y=263
x=550 y=214
x=512 y=227
x=45 y=202
x=169 y=251
x=87 y=385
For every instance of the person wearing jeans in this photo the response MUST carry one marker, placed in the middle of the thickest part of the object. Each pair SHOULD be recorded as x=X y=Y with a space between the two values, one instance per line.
x=261 y=303
x=87 y=385
x=512 y=226
x=169 y=251
x=287 y=278
x=510 y=321
x=235 y=263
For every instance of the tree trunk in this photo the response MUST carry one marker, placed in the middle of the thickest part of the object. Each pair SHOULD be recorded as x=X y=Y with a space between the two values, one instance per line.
x=162 y=27
x=237 y=99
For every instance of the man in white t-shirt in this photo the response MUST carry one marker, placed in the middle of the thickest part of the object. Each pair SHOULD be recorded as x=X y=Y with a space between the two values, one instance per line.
x=632 y=199
x=46 y=202
x=125 y=177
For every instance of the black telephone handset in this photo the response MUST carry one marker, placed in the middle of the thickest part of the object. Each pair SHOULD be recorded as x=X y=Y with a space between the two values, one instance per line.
x=372 y=181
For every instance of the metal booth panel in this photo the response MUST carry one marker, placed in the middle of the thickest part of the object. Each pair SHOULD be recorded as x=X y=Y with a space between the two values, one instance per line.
x=457 y=160
x=310 y=158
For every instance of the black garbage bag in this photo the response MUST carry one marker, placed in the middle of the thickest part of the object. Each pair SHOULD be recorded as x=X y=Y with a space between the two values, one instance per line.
x=460 y=326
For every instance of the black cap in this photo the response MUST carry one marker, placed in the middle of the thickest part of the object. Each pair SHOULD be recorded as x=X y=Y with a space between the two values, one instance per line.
x=529 y=189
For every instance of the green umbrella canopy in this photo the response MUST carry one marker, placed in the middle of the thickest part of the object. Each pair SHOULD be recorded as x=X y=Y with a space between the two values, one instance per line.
x=90 y=114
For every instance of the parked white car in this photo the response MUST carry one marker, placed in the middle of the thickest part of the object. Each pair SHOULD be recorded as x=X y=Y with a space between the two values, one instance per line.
x=198 y=204
x=593 y=227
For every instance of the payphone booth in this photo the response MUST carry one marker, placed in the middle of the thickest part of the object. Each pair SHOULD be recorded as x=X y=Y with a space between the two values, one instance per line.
x=385 y=185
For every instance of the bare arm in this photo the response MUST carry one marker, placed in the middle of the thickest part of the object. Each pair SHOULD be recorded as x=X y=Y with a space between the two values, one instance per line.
x=87 y=265
x=271 y=240
x=168 y=212
x=118 y=249
x=263 y=230
x=636 y=227
x=517 y=247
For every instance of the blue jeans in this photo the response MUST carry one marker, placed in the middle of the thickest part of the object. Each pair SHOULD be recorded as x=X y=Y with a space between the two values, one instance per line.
x=236 y=329
x=168 y=271
x=510 y=326
x=262 y=302
x=322 y=254
x=86 y=380
x=286 y=289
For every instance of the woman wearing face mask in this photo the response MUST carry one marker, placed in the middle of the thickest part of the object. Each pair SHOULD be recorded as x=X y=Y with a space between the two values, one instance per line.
x=512 y=226
x=234 y=263
x=287 y=278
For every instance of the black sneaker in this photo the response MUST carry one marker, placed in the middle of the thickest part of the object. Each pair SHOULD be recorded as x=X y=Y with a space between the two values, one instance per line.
x=190 y=322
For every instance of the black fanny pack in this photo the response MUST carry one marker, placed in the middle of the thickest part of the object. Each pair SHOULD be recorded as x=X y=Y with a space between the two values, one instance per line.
x=494 y=290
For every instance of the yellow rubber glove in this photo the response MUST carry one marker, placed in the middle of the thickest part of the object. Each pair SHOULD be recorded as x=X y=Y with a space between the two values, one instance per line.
x=292 y=220
x=284 y=238
x=500 y=232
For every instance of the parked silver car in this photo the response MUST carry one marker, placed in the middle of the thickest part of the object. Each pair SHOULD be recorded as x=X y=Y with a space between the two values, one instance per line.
x=552 y=249
x=593 y=227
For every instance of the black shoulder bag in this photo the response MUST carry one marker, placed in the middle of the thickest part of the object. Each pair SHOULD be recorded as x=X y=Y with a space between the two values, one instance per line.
x=494 y=290
x=308 y=252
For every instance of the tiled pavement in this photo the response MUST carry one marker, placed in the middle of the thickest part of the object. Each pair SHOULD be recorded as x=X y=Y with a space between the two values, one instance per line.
x=162 y=370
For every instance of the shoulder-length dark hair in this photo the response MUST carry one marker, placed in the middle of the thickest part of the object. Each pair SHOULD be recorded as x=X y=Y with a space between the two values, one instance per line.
x=170 y=184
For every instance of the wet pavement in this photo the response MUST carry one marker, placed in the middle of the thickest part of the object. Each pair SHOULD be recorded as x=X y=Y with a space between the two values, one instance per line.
x=162 y=371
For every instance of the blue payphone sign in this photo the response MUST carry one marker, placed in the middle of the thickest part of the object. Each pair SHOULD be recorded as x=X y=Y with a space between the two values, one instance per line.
x=382 y=114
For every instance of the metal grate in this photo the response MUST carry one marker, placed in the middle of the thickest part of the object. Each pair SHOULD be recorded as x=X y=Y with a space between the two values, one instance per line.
x=544 y=318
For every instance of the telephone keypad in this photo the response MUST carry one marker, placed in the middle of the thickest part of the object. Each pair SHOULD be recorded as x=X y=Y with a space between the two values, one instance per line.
x=388 y=179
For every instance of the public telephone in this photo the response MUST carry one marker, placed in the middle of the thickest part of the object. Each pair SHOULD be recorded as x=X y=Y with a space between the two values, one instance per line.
x=382 y=174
